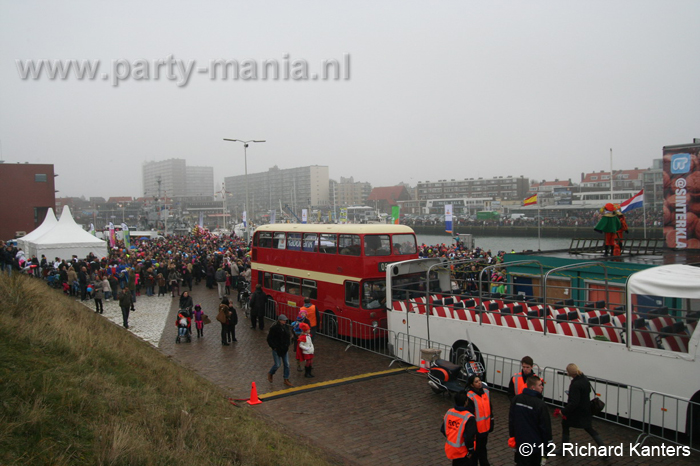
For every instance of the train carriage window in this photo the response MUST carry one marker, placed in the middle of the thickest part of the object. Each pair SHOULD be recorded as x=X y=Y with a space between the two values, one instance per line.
x=265 y=239
x=308 y=289
x=278 y=282
x=294 y=286
x=329 y=244
x=310 y=243
x=349 y=245
x=403 y=244
x=352 y=294
x=377 y=245
x=294 y=241
x=278 y=241
x=268 y=281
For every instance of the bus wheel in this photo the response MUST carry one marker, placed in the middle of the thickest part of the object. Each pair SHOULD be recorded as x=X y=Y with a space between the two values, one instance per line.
x=330 y=325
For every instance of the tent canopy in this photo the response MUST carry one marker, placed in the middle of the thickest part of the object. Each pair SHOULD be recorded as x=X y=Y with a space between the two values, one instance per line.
x=66 y=239
x=46 y=226
x=676 y=280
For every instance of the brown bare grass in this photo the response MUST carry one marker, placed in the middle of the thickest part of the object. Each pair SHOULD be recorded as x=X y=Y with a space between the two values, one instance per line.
x=76 y=389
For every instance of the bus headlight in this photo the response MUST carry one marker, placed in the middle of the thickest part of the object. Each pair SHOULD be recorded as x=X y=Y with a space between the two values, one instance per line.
x=375 y=326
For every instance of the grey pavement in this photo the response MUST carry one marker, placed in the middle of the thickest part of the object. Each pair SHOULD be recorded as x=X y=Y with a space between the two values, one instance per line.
x=393 y=419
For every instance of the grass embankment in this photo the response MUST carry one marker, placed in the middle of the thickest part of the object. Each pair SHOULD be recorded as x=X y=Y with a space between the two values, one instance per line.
x=77 y=389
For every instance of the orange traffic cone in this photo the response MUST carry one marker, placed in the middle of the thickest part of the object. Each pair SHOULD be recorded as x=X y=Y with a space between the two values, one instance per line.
x=254 y=400
x=423 y=367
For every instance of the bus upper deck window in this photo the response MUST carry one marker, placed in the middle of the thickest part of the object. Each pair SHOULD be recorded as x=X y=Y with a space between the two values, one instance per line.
x=264 y=239
x=329 y=243
x=349 y=245
x=278 y=241
x=377 y=245
x=294 y=241
x=310 y=242
x=404 y=244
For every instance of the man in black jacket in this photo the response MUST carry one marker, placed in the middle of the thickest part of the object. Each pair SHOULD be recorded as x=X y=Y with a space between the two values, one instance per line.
x=257 y=307
x=279 y=339
x=529 y=423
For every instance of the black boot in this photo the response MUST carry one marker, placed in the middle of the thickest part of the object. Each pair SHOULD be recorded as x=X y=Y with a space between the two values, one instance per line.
x=307 y=372
x=311 y=371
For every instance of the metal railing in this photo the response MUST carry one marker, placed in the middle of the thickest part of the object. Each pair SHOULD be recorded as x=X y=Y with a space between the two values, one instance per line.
x=629 y=246
x=364 y=336
x=674 y=419
x=625 y=405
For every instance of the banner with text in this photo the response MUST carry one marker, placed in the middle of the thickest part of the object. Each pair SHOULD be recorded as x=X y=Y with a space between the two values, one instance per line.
x=682 y=200
x=448 y=218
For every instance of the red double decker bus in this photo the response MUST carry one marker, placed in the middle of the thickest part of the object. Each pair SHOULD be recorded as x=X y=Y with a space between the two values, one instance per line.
x=341 y=268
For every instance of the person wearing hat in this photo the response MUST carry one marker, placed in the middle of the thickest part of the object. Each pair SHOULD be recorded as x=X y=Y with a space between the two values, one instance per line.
x=279 y=339
x=311 y=315
x=305 y=349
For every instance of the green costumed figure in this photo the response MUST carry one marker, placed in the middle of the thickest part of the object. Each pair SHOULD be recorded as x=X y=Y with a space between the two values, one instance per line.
x=609 y=224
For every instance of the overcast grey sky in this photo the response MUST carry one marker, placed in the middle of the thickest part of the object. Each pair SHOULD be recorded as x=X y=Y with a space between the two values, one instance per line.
x=436 y=90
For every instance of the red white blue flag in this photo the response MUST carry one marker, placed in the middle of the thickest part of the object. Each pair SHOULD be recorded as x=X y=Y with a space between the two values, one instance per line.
x=633 y=202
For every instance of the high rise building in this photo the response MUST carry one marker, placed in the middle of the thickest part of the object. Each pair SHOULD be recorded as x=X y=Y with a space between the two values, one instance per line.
x=199 y=182
x=299 y=188
x=502 y=187
x=177 y=180
x=349 y=192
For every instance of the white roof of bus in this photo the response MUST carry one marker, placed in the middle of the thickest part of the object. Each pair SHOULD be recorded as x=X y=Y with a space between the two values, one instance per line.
x=323 y=228
x=675 y=280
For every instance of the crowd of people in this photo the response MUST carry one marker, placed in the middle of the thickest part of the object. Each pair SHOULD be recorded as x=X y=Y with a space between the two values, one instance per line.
x=635 y=218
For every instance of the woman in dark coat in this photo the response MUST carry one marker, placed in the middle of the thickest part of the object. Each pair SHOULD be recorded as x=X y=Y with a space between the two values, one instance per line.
x=577 y=412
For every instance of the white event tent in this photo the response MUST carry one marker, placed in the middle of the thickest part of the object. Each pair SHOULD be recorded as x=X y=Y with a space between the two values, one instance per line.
x=47 y=225
x=66 y=239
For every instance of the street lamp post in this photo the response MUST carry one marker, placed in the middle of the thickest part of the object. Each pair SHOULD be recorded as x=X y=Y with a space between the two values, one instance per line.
x=245 y=160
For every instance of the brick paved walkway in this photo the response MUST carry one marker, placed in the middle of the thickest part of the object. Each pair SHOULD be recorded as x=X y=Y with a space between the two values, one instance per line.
x=389 y=420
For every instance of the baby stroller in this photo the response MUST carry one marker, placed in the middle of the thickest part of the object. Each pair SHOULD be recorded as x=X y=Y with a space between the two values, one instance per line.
x=244 y=296
x=183 y=324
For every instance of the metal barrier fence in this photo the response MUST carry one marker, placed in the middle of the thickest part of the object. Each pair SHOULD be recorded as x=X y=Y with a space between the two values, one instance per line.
x=625 y=405
x=408 y=348
x=364 y=336
x=674 y=419
x=656 y=415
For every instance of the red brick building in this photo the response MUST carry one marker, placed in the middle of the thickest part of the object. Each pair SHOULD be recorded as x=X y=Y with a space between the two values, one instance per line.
x=27 y=191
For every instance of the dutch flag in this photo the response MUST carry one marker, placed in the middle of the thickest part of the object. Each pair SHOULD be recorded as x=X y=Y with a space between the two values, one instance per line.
x=633 y=202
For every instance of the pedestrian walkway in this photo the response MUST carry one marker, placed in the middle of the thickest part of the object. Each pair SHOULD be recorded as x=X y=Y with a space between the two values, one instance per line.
x=360 y=419
x=147 y=322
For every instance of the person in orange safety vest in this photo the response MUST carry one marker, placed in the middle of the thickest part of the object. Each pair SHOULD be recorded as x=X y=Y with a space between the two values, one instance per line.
x=479 y=404
x=311 y=315
x=459 y=426
x=519 y=381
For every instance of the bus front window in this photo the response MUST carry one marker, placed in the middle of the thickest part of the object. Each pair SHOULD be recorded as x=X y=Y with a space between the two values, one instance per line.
x=374 y=294
x=404 y=244
x=377 y=245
